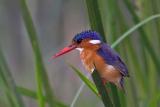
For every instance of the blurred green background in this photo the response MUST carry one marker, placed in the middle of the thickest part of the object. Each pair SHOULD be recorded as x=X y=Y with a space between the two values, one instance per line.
x=56 y=23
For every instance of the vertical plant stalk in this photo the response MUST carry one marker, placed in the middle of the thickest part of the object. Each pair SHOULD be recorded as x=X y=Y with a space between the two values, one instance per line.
x=115 y=25
x=96 y=24
x=101 y=89
x=41 y=75
x=13 y=96
x=95 y=17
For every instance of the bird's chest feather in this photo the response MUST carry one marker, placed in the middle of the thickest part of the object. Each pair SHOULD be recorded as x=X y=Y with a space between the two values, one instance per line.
x=87 y=59
x=91 y=59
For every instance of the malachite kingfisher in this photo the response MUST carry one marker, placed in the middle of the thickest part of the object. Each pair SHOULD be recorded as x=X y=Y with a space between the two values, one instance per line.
x=94 y=53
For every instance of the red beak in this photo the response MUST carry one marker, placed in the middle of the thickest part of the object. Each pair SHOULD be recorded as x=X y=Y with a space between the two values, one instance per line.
x=64 y=50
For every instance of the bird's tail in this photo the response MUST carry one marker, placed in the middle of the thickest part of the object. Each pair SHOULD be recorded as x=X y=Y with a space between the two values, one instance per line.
x=121 y=84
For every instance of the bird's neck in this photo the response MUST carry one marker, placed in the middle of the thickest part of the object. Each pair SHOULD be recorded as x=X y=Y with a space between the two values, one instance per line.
x=87 y=57
x=87 y=54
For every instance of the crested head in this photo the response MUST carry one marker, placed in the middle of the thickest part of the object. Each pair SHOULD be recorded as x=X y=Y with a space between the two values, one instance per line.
x=89 y=39
x=89 y=34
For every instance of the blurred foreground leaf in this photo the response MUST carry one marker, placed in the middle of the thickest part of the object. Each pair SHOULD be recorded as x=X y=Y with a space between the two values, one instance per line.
x=14 y=98
x=33 y=94
x=85 y=80
x=41 y=74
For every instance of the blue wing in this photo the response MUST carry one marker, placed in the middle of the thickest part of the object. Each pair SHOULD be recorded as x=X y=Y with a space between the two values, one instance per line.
x=112 y=58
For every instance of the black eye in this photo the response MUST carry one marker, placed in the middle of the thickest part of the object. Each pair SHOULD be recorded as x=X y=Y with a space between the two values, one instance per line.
x=79 y=41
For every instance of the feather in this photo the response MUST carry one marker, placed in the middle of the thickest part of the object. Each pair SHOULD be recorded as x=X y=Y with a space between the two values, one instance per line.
x=112 y=58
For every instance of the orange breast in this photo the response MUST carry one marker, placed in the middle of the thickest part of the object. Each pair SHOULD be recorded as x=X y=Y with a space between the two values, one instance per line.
x=87 y=59
x=91 y=58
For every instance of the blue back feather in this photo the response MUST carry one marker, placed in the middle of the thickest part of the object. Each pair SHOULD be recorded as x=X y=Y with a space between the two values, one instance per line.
x=112 y=58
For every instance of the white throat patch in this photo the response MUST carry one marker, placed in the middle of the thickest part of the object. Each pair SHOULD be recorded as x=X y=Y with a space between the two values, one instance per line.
x=80 y=49
x=95 y=41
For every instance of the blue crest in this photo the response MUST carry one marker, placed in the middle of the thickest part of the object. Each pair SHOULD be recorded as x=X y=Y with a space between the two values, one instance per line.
x=89 y=34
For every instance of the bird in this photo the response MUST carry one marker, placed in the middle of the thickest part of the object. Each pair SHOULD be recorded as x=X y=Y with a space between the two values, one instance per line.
x=96 y=54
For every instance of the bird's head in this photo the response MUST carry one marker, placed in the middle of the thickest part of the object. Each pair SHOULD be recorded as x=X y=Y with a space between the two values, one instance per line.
x=87 y=39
